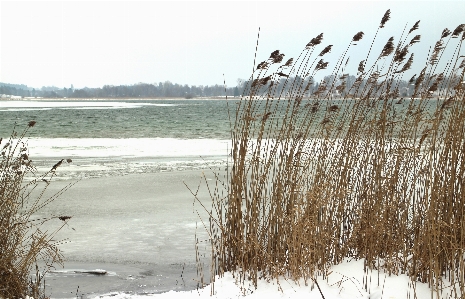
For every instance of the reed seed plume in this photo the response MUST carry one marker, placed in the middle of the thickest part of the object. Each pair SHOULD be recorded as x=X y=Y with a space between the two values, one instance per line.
x=386 y=17
x=414 y=27
x=326 y=50
x=262 y=65
x=321 y=65
x=54 y=167
x=438 y=47
x=407 y=65
x=361 y=66
x=419 y=80
x=388 y=48
x=289 y=62
x=276 y=57
x=438 y=80
x=401 y=54
x=315 y=41
x=445 y=33
x=458 y=30
x=357 y=37
x=415 y=40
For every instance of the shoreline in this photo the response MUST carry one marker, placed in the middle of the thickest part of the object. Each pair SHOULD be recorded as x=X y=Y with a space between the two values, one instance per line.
x=120 y=99
x=218 y=98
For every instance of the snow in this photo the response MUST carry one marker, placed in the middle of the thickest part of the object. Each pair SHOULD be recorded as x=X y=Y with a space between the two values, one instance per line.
x=127 y=147
x=344 y=281
x=95 y=104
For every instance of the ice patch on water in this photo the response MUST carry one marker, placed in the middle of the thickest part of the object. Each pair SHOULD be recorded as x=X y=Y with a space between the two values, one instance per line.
x=103 y=157
x=165 y=105
x=47 y=105
x=83 y=272
x=25 y=109
x=127 y=147
x=95 y=168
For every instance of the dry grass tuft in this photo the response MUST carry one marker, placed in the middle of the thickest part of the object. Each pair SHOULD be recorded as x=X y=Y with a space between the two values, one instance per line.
x=359 y=174
x=22 y=241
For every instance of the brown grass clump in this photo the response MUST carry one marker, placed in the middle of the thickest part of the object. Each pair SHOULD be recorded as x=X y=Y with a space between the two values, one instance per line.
x=319 y=176
x=22 y=242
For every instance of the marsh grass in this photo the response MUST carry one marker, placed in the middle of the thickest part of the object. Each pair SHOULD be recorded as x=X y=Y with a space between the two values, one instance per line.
x=23 y=242
x=369 y=175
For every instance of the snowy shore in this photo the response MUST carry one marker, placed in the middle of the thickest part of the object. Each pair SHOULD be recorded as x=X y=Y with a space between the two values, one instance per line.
x=345 y=281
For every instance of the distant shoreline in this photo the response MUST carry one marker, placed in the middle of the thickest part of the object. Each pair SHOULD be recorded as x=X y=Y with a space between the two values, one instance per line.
x=173 y=99
x=117 y=98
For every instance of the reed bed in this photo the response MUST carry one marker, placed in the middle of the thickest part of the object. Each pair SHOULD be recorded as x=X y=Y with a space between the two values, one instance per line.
x=316 y=179
x=22 y=240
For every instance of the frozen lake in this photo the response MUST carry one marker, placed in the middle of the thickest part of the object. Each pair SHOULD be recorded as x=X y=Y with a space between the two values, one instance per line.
x=140 y=228
x=132 y=214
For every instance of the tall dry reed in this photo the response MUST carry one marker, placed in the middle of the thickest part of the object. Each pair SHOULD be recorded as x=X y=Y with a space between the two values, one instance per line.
x=347 y=170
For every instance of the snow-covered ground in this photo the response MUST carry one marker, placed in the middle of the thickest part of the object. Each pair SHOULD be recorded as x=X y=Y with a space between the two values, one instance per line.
x=345 y=281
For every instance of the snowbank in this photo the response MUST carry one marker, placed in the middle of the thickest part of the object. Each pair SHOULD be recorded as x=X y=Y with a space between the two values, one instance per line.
x=346 y=280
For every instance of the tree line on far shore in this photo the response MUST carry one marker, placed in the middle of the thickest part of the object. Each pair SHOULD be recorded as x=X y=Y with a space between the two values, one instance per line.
x=174 y=90
x=142 y=90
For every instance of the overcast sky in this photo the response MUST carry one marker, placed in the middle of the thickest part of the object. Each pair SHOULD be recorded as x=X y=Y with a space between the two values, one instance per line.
x=93 y=43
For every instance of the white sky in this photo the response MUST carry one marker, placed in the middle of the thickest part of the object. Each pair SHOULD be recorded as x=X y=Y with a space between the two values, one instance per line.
x=93 y=43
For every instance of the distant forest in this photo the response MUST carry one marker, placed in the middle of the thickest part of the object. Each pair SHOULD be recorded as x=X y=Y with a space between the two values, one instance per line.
x=173 y=90
x=140 y=90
